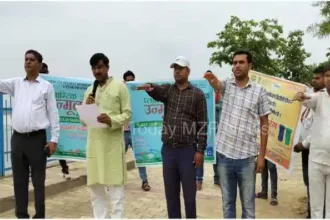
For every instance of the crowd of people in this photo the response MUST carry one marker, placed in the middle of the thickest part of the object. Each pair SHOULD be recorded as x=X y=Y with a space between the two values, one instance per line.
x=240 y=105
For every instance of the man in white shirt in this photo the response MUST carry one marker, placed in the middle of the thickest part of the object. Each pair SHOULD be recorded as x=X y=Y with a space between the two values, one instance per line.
x=307 y=121
x=34 y=110
x=319 y=158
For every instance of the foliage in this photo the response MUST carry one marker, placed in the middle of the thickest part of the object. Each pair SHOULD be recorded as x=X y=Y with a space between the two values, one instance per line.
x=262 y=39
x=322 y=29
x=293 y=54
x=273 y=53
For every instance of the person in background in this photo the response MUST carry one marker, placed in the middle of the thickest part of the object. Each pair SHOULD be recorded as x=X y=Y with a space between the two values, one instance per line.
x=200 y=170
x=271 y=167
x=245 y=104
x=34 y=111
x=106 y=164
x=64 y=165
x=184 y=136
x=44 y=69
x=306 y=119
x=319 y=157
x=128 y=77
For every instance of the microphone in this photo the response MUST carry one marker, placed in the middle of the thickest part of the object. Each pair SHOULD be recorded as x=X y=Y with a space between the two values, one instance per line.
x=96 y=83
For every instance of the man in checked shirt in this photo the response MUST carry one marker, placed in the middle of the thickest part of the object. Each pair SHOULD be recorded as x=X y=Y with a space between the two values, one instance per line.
x=184 y=136
x=238 y=153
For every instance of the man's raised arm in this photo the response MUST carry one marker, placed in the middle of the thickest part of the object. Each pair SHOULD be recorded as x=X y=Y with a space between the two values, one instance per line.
x=216 y=84
x=157 y=92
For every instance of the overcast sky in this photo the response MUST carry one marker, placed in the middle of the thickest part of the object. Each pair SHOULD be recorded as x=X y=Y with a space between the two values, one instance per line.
x=144 y=37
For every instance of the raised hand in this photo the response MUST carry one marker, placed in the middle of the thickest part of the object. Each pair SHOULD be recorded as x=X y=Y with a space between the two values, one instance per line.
x=300 y=96
x=146 y=87
x=210 y=77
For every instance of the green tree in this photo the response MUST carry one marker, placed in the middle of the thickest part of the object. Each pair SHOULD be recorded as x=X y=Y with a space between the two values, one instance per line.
x=293 y=57
x=273 y=53
x=328 y=54
x=262 y=39
x=325 y=63
x=322 y=29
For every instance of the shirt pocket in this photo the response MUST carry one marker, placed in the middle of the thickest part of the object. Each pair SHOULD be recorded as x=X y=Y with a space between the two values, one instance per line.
x=39 y=97
x=111 y=101
x=188 y=106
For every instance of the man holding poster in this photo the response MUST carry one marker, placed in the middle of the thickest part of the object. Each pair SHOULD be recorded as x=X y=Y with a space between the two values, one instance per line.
x=319 y=157
x=307 y=122
x=106 y=165
x=129 y=76
x=184 y=136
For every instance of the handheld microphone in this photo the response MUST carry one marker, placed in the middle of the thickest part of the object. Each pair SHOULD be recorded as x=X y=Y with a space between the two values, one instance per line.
x=96 y=83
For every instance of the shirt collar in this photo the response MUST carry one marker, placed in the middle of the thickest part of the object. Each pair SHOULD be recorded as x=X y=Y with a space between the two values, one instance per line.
x=189 y=85
x=38 y=79
x=108 y=81
x=246 y=86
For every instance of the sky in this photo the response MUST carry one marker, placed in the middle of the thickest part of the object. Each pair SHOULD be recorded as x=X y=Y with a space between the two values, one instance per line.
x=144 y=37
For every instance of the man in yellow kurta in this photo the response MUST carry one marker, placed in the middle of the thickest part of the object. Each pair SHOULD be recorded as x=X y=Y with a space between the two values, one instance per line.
x=106 y=165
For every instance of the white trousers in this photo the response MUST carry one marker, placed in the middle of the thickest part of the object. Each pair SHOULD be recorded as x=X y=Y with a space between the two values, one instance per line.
x=319 y=189
x=99 y=203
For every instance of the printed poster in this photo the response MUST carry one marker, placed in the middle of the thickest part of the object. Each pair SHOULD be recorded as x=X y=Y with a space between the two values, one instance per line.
x=69 y=93
x=284 y=117
x=147 y=121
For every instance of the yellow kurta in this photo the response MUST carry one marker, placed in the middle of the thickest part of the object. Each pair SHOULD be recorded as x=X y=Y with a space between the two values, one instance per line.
x=105 y=151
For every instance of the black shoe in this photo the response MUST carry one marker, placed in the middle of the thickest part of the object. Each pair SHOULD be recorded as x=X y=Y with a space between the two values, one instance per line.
x=66 y=174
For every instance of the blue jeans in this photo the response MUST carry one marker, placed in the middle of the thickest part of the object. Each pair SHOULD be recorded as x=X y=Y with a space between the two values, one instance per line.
x=273 y=178
x=200 y=173
x=241 y=172
x=128 y=142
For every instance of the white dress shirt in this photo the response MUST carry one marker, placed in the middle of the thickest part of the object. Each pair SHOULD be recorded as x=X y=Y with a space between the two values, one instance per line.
x=320 y=132
x=34 y=105
x=307 y=122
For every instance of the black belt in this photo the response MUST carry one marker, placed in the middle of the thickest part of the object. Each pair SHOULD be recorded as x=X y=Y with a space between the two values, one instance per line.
x=32 y=133
x=178 y=145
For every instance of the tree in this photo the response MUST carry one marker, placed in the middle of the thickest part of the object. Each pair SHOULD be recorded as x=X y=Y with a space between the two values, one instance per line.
x=325 y=63
x=293 y=57
x=262 y=39
x=328 y=54
x=272 y=53
x=322 y=29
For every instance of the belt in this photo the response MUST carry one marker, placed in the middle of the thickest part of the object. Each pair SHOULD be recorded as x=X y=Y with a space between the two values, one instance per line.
x=32 y=133
x=178 y=145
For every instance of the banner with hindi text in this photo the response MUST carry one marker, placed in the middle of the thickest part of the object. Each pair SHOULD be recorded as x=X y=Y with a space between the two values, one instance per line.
x=284 y=117
x=147 y=121
x=69 y=93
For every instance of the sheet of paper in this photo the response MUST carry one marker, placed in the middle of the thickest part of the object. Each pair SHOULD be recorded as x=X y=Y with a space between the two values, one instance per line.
x=88 y=114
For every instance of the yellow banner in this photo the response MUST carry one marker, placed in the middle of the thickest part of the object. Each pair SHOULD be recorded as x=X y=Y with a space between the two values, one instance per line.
x=284 y=119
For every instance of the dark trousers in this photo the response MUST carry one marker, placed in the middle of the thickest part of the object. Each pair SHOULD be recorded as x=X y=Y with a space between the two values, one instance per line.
x=304 y=161
x=178 y=167
x=64 y=165
x=27 y=152
x=269 y=166
x=216 y=173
